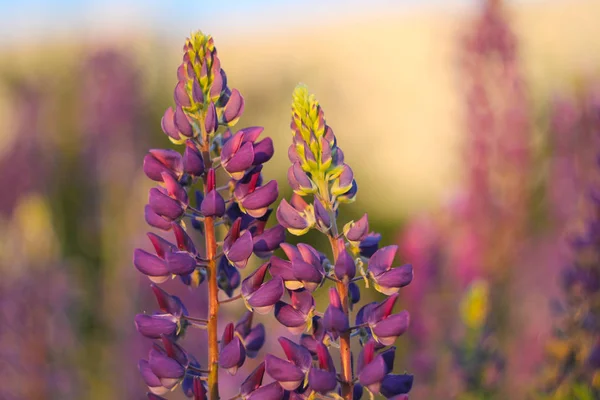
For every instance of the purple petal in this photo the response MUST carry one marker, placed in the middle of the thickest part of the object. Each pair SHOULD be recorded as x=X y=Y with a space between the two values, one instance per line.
x=358 y=230
x=161 y=246
x=254 y=280
x=272 y=391
x=241 y=250
x=382 y=260
x=158 y=161
x=390 y=328
x=394 y=385
x=211 y=123
x=296 y=353
x=373 y=373
x=289 y=217
x=263 y=151
x=289 y=376
x=168 y=124
x=241 y=160
x=181 y=96
x=192 y=160
x=154 y=326
x=164 y=366
x=155 y=220
x=182 y=123
x=289 y=317
x=268 y=241
x=180 y=263
x=257 y=202
x=213 y=205
x=395 y=278
x=253 y=381
x=321 y=215
x=368 y=246
x=234 y=107
x=149 y=264
x=266 y=296
x=232 y=355
x=164 y=205
x=167 y=303
x=184 y=241
x=321 y=381
x=335 y=320
x=345 y=269
x=255 y=340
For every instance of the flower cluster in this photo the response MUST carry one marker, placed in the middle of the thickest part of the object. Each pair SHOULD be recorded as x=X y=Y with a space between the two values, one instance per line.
x=321 y=181
x=574 y=367
x=205 y=111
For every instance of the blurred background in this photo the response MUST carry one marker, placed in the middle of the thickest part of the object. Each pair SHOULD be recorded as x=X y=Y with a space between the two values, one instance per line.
x=471 y=126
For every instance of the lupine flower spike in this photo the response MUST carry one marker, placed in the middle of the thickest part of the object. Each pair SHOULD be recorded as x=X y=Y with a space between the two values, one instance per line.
x=322 y=181
x=206 y=109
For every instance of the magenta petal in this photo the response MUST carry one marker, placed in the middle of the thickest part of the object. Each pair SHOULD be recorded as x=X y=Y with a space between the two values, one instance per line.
x=382 y=260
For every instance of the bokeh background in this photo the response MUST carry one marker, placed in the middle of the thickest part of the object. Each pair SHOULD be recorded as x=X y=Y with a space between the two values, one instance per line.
x=471 y=127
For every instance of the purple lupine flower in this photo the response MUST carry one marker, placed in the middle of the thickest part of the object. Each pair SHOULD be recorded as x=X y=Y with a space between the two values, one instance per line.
x=299 y=314
x=373 y=368
x=291 y=373
x=205 y=110
x=334 y=319
x=318 y=173
x=322 y=378
x=233 y=353
x=261 y=296
x=303 y=270
x=386 y=279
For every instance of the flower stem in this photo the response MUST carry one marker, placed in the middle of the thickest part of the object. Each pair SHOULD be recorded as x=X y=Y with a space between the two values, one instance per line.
x=342 y=288
x=213 y=289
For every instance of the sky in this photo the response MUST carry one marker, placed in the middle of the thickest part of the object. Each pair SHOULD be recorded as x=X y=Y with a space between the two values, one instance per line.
x=28 y=20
